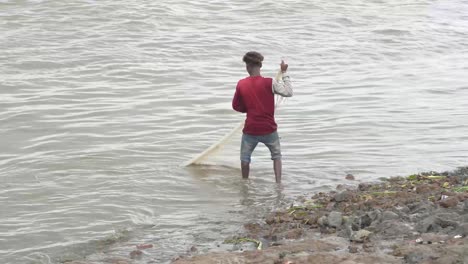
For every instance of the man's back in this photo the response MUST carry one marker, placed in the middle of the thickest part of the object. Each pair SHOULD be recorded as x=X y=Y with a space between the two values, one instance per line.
x=254 y=96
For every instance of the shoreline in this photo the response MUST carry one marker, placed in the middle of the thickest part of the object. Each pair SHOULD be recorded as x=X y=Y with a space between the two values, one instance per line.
x=421 y=218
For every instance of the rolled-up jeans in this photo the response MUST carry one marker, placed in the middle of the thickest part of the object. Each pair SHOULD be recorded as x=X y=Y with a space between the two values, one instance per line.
x=249 y=142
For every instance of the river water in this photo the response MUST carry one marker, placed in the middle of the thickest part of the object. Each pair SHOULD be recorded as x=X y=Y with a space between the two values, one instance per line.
x=102 y=101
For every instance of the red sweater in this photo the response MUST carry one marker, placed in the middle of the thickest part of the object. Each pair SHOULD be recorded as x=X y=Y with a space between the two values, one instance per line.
x=254 y=96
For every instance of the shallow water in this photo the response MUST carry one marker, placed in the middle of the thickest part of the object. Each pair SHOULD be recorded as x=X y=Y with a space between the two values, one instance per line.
x=101 y=101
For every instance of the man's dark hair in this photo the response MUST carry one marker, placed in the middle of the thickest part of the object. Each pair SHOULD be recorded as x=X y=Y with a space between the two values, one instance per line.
x=253 y=58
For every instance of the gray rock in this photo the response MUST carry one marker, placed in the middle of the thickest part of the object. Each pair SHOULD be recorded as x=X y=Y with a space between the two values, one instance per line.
x=447 y=230
x=375 y=215
x=353 y=249
x=428 y=225
x=335 y=219
x=415 y=218
x=341 y=187
x=365 y=221
x=369 y=218
x=360 y=236
x=465 y=218
x=422 y=208
x=364 y=186
x=449 y=202
x=345 y=230
x=343 y=196
x=465 y=206
x=403 y=209
x=447 y=219
x=389 y=215
x=355 y=223
x=414 y=258
x=322 y=221
x=394 y=228
x=463 y=229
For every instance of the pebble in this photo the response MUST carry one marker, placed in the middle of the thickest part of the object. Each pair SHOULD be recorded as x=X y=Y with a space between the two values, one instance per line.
x=322 y=221
x=365 y=221
x=360 y=236
x=449 y=202
x=353 y=249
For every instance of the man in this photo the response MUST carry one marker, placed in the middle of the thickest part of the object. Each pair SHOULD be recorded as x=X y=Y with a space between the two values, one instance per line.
x=255 y=95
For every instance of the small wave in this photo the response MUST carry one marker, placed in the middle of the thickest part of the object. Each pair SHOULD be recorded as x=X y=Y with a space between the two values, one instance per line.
x=38 y=65
x=392 y=32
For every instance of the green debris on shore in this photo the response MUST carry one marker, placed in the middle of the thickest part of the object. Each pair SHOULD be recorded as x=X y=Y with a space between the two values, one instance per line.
x=241 y=240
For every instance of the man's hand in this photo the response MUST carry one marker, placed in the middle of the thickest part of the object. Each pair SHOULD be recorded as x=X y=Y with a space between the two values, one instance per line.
x=284 y=66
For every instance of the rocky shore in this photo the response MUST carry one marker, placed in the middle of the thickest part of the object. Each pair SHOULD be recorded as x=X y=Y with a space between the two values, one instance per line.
x=421 y=218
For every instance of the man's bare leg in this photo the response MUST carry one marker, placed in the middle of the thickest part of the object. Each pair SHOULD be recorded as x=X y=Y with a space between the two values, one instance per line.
x=245 y=166
x=277 y=167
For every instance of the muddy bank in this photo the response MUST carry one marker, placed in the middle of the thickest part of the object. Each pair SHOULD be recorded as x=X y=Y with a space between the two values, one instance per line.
x=421 y=218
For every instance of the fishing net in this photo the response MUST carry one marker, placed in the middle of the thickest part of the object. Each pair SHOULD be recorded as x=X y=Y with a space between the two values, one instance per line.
x=225 y=151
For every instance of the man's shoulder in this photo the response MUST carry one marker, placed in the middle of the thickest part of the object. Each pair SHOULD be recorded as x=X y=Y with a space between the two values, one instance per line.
x=246 y=79
x=242 y=82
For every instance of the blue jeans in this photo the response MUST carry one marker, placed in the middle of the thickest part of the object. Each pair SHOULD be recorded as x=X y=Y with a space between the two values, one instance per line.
x=249 y=143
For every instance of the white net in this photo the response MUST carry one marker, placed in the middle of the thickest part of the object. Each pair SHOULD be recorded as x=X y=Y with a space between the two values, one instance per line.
x=225 y=152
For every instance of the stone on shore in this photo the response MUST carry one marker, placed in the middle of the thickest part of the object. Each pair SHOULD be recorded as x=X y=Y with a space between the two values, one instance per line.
x=463 y=229
x=335 y=219
x=394 y=228
x=343 y=196
x=447 y=219
x=449 y=202
x=389 y=215
x=360 y=236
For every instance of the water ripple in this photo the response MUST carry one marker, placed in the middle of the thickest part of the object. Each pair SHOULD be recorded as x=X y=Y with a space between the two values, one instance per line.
x=102 y=101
